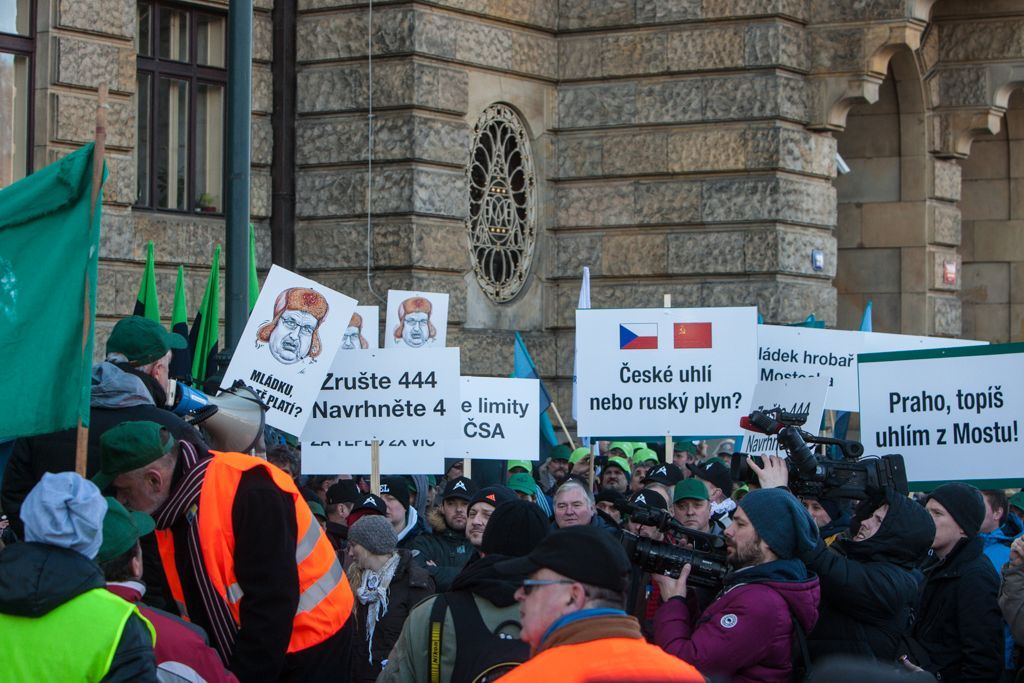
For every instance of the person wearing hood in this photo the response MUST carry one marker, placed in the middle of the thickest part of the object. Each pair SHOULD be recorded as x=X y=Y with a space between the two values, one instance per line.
x=131 y=384
x=870 y=582
x=59 y=622
x=831 y=516
x=480 y=610
x=959 y=626
x=747 y=634
x=444 y=552
x=403 y=515
x=387 y=584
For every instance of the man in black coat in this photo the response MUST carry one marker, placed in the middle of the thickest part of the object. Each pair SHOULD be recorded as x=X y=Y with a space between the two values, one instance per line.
x=870 y=583
x=959 y=624
x=444 y=553
x=130 y=385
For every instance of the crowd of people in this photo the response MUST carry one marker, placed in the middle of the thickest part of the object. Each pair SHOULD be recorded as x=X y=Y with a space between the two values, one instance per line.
x=171 y=561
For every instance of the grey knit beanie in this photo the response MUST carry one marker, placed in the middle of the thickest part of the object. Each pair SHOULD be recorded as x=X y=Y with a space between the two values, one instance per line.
x=374 y=533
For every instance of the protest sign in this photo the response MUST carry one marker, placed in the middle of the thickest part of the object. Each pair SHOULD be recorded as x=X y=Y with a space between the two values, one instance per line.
x=801 y=395
x=954 y=414
x=407 y=401
x=791 y=352
x=288 y=345
x=363 y=330
x=656 y=371
x=500 y=418
x=416 y=320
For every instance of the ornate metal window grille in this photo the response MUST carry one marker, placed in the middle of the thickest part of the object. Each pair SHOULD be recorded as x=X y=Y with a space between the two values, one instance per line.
x=502 y=211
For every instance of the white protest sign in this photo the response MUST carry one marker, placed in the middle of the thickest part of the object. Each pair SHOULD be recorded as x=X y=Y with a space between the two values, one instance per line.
x=288 y=345
x=954 y=414
x=404 y=400
x=802 y=395
x=791 y=352
x=363 y=330
x=500 y=418
x=416 y=320
x=654 y=371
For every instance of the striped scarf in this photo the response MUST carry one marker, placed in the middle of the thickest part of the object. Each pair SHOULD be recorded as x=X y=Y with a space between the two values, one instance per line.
x=183 y=504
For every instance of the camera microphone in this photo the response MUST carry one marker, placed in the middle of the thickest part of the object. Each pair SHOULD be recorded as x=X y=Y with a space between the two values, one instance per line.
x=759 y=422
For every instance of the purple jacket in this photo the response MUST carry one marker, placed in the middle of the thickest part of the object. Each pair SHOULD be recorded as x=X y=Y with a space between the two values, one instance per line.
x=746 y=635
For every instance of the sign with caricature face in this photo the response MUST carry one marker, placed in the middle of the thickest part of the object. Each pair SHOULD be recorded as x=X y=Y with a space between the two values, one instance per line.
x=416 y=320
x=288 y=345
x=363 y=331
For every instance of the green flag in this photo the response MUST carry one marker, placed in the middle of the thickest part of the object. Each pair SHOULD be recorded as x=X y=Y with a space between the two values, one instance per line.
x=202 y=338
x=181 y=359
x=48 y=258
x=146 y=303
x=254 y=283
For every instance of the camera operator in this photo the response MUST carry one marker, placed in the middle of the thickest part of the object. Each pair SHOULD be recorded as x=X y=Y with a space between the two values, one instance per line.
x=832 y=516
x=869 y=581
x=748 y=633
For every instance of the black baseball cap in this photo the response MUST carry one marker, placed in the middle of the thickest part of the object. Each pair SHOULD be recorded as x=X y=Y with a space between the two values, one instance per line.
x=715 y=472
x=345 y=491
x=665 y=474
x=649 y=498
x=582 y=553
x=460 y=487
x=493 y=495
x=367 y=504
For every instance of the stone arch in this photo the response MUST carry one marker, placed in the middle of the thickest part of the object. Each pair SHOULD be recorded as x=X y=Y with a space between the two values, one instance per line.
x=894 y=218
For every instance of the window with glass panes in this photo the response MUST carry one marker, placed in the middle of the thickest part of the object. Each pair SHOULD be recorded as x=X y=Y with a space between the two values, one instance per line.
x=17 y=44
x=181 y=98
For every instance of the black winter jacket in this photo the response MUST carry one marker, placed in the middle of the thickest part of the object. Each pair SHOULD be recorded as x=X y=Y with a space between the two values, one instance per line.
x=36 y=578
x=870 y=589
x=959 y=623
x=55 y=452
x=447 y=549
x=410 y=584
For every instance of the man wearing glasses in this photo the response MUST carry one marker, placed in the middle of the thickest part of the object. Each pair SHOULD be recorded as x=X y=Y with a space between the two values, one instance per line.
x=573 y=618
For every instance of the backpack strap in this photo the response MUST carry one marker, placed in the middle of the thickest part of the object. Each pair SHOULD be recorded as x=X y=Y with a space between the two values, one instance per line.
x=437 y=612
x=801 y=654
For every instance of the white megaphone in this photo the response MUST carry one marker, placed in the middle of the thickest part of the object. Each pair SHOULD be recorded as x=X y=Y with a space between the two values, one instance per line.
x=233 y=420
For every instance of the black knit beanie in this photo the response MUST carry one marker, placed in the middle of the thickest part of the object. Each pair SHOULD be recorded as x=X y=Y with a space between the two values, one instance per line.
x=964 y=504
x=514 y=529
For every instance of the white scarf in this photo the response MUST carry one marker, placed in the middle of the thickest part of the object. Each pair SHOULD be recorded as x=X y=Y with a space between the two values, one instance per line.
x=373 y=592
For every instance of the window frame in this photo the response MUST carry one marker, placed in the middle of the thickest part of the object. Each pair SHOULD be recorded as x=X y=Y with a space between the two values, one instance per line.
x=195 y=74
x=17 y=44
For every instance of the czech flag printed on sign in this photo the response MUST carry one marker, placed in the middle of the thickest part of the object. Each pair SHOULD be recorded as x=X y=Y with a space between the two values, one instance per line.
x=633 y=336
x=691 y=336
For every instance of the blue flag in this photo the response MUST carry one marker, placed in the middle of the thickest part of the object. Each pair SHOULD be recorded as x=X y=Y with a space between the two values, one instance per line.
x=523 y=367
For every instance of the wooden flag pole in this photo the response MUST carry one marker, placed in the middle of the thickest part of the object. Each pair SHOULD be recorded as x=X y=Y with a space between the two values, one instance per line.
x=467 y=468
x=561 y=423
x=98 y=151
x=375 y=467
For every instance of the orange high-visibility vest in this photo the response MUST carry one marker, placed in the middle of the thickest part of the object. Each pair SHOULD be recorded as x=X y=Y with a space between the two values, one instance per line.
x=606 y=660
x=325 y=598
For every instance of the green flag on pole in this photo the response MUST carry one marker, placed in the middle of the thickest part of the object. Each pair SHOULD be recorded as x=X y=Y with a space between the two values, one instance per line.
x=202 y=338
x=146 y=303
x=254 y=282
x=181 y=359
x=48 y=258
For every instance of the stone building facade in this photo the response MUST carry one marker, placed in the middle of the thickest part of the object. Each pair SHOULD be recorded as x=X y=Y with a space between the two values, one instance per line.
x=682 y=147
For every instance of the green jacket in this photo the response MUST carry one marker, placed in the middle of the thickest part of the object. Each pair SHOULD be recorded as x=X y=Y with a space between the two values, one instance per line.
x=408 y=660
x=447 y=549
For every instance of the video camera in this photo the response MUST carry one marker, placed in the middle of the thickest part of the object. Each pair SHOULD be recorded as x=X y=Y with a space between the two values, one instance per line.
x=707 y=556
x=854 y=477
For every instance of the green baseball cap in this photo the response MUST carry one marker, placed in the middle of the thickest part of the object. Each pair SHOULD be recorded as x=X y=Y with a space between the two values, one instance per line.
x=621 y=463
x=316 y=508
x=644 y=455
x=523 y=483
x=561 y=452
x=624 y=446
x=1017 y=500
x=142 y=340
x=129 y=446
x=579 y=454
x=693 y=489
x=525 y=464
x=121 y=529
x=684 y=447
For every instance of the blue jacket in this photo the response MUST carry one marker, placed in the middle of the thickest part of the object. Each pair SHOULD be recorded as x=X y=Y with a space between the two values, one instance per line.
x=997 y=550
